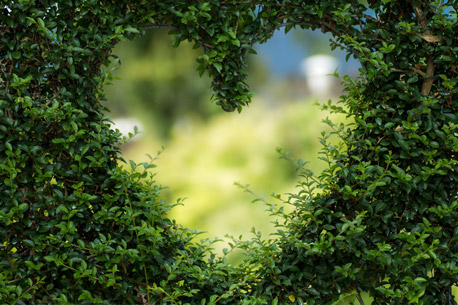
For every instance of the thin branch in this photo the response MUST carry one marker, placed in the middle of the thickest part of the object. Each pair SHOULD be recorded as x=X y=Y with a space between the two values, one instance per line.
x=360 y=299
x=421 y=19
x=429 y=75
x=418 y=71
x=368 y=17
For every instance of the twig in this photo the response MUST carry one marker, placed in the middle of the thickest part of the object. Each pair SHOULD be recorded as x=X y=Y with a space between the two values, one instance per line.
x=428 y=77
x=7 y=83
x=360 y=299
x=421 y=19
x=418 y=71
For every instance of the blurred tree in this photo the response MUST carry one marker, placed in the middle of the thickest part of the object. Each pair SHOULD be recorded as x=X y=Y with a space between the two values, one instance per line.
x=160 y=84
x=313 y=42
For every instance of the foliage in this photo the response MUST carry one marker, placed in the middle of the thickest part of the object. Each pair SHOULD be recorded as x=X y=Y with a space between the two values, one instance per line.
x=76 y=228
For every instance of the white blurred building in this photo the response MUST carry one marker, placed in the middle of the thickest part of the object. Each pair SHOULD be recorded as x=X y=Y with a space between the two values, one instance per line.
x=317 y=70
x=127 y=125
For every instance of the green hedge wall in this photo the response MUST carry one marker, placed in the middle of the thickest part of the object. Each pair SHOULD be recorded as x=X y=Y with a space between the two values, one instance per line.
x=76 y=227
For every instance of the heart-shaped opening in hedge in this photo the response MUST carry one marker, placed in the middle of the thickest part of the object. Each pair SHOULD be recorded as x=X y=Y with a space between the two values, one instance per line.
x=157 y=89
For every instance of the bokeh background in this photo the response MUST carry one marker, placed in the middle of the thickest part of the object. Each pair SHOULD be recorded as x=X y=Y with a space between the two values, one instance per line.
x=207 y=150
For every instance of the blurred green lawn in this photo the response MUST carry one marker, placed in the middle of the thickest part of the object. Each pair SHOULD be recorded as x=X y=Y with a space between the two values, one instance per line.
x=203 y=160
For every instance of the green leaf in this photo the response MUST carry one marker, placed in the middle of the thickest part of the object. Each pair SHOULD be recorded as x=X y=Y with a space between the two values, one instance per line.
x=236 y=42
x=29 y=243
x=41 y=23
x=404 y=145
x=80 y=243
x=222 y=38
x=49 y=258
x=218 y=67
x=132 y=30
x=434 y=144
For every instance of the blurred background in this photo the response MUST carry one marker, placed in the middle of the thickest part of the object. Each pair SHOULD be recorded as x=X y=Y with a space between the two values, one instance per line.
x=158 y=90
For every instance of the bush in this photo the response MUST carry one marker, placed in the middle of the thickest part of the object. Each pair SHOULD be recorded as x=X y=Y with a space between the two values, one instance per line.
x=77 y=228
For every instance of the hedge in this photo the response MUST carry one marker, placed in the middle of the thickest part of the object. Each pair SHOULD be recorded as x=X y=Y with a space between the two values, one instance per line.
x=77 y=227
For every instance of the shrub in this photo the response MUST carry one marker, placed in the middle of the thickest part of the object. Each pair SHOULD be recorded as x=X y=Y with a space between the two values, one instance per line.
x=77 y=228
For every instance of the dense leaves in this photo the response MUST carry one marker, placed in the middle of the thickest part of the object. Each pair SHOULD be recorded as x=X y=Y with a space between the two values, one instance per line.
x=76 y=227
